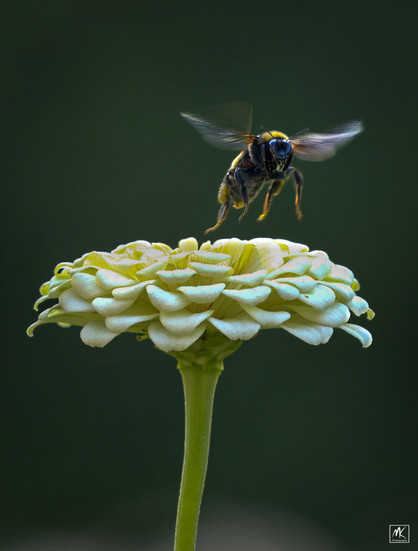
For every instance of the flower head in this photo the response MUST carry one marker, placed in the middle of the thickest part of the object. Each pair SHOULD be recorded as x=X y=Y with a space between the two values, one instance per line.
x=184 y=296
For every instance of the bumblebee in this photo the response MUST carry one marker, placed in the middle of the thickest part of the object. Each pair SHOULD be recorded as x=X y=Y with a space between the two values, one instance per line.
x=265 y=159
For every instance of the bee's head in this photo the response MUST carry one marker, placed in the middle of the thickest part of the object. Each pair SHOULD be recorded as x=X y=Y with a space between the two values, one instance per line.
x=282 y=152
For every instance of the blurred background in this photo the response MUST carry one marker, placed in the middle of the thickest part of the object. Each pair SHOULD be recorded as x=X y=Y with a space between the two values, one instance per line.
x=312 y=447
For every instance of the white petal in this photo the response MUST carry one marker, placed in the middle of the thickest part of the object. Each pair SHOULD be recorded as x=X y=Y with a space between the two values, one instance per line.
x=298 y=266
x=119 y=324
x=321 y=297
x=341 y=273
x=334 y=315
x=110 y=306
x=182 y=321
x=254 y=295
x=240 y=327
x=358 y=305
x=108 y=280
x=308 y=332
x=140 y=243
x=304 y=283
x=211 y=270
x=321 y=266
x=70 y=301
x=286 y=292
x=250 y=280
x=202 y=294
x=175 y=276
x=163 y=339
x=342 y=291
x=86 y=285
x=293 y=248
x=133 y=292
x=95 y=333
x=166 y=301
x=265 y=318
x=360 y=333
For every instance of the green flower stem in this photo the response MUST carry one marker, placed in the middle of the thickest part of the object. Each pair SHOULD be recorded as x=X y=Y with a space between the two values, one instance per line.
x=199 y=383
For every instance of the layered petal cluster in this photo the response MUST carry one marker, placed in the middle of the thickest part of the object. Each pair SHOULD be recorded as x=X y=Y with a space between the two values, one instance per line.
x=177 y=297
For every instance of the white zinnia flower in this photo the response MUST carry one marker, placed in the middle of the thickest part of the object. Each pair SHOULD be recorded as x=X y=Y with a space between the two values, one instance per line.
x=230 y=288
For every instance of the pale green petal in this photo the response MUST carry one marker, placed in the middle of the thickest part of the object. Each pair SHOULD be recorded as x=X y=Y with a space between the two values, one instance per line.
x=360 y=333
x=166 y=301
x=163 y=339
x=208 y=257
x=70 y=301
x=304 y=283
x=175 y=276
x=109 y=280
x=211 y=270
x=95 y=333
x=203 y=294
x=333 y=316
x=264 y=317
x=150 y=271
x=271 y=254
x=254 y=295
x=286 y=292
x=40 y=301
x=86 y=285
x=320 y=298
x=54 y=292
x=370 y=314
x=238 y=250
x=358 y=305
x=250 y=280
x=342 y=291
x=179 y=260
x=298 y=266
x=140 y=244
x=188 y=245
x=182 y=321
x=248 y=259
x=241 y=327
x=122 y=322
x=133 y=292
x=110 y=306
x=308 y=332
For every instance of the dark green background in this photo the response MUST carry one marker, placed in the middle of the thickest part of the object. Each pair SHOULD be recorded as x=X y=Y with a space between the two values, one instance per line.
x=95 y=154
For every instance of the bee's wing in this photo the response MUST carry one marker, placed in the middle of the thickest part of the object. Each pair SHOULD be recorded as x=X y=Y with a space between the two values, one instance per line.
x=318 y=147
x=224 y=137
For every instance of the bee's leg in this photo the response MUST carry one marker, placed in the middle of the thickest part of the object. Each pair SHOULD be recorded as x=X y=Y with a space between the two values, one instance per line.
x=222 y=214
x=298 y=183
x=240 y=179
x=256 y=152
x=274 y=189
